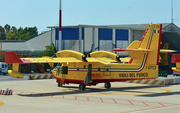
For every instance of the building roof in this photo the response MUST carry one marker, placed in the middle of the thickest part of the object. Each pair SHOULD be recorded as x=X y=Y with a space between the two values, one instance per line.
x=35 y=44
x=128 y=26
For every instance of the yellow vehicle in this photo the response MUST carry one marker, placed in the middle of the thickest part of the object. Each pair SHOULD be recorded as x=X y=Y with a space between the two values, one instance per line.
x=164 y=56
x=102 y=66
x=176 y=59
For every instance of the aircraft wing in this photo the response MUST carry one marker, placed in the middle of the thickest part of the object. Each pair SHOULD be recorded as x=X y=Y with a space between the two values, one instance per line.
x=11 y=57
x=166 y=51
x=47 y=60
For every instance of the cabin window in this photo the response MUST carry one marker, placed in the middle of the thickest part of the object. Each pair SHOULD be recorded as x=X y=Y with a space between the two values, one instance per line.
x=65 y=70
x=99 y=69
x=77 y=69
x=2 y=65
x=84 y=66
x=107 y=71
x=6 y=65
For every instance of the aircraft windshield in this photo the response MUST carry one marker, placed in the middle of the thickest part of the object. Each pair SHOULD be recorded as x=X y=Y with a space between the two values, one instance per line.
x=59 y=70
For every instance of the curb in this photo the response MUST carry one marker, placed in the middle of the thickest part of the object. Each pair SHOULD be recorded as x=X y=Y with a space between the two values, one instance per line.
x=159 y=81
x=43 y=76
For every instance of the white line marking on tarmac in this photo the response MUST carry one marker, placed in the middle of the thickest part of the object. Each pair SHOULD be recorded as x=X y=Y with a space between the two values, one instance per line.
x=150 y=109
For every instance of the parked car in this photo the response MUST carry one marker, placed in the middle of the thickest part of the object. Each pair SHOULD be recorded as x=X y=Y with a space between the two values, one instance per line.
x=3 y=68
x=176 y=73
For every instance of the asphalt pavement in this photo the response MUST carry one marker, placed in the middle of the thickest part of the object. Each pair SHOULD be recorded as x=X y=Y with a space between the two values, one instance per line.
x=43 y=96
x=7 y=77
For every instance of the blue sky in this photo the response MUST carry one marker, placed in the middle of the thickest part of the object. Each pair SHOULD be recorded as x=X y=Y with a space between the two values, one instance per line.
x=43 y=13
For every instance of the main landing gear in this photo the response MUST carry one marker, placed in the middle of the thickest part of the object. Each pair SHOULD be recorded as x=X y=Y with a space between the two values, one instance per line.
x=82 y=86
x=60 y=85
x=88 y=78
x=107 y=85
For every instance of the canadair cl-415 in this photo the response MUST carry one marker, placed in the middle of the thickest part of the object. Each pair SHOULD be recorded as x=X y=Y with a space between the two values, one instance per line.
x=101 y=66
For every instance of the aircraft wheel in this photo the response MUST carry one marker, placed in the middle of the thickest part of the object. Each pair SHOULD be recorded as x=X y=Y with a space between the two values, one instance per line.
x=107 y=85
x=82 y=86
x=60 y=85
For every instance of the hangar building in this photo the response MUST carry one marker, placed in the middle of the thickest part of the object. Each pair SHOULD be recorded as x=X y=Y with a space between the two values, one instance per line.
x=87 y=38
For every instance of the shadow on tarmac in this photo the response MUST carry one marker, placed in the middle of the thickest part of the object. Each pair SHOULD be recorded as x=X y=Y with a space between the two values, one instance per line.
x=74 y=90
x=160 y=94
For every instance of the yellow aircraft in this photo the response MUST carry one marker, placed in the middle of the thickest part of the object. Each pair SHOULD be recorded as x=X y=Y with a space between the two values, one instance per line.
x=176 y=59
x=101 y=66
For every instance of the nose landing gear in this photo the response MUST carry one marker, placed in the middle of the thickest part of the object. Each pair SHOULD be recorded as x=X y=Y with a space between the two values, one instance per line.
x=107 y=85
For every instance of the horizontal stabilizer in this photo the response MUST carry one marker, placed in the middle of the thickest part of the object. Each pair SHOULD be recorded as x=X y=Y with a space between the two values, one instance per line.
x=121 y=49
x=140 y=50
x=11 y=57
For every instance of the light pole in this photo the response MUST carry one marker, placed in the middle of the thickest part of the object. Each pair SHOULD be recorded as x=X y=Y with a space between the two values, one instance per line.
x=60 y=28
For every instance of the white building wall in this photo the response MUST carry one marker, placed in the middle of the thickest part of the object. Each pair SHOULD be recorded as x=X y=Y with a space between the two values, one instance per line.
x=88 y=39
x=137 y=34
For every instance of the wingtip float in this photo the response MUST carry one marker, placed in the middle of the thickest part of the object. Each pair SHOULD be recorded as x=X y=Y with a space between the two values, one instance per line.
x=15 y=74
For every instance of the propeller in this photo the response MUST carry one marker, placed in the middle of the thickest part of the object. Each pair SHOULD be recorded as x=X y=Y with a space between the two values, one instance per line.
x=55 y=50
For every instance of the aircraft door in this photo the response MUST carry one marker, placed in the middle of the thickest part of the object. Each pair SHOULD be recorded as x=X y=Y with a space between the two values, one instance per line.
x=65 y=70
x=107 y=71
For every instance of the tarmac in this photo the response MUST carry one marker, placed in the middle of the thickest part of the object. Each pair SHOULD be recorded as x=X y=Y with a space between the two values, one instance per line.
x=43 y=96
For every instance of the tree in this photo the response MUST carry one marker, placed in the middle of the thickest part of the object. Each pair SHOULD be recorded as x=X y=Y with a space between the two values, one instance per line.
x=14 y=29
x=7 y=28
x=33 y=31
x=10 y=35
x=48 y=52
x=2 y=33
x=22 y=34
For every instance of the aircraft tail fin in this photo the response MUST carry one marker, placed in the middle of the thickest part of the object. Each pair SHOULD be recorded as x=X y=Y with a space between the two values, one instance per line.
x=149 y=48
